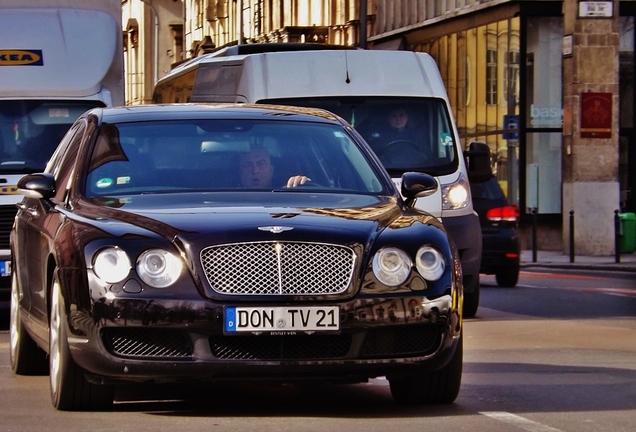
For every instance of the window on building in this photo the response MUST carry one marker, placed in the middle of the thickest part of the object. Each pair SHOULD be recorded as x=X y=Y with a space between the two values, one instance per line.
x=199 y=11
x=511 y=78
x=491 y=76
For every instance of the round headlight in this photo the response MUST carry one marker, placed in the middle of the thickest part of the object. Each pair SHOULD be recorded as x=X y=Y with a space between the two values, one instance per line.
x=430 y=263
x=456 y=195
x=158 y=268
x=391 y=266
x=111 y=265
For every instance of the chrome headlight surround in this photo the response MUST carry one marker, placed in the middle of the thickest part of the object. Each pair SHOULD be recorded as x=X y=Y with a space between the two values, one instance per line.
x=456 y=195
x=392 y=266
x=159 y=268
x=430 y=263
x=111 y=264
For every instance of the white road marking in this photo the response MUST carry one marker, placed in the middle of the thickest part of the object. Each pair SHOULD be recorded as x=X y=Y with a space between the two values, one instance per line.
x=520 y=422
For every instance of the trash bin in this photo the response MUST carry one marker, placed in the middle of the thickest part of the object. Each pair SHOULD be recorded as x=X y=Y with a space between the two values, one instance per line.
x=627 y=240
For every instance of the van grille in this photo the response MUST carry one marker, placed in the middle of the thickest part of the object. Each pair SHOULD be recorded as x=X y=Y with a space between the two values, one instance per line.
x=7 y=216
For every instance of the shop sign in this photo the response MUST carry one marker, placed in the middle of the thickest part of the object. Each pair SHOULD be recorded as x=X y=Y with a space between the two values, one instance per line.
x=596 y=115
x=546 y=116
x=596 y=9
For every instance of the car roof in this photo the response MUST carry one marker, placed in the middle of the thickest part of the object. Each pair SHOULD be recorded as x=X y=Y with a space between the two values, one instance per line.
x=210 y=110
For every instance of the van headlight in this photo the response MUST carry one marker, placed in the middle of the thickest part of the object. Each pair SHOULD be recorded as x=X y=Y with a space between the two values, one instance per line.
x=430 y=263
x=456 y=195
x=392 y=266
x=111 y=264
x=158 y=268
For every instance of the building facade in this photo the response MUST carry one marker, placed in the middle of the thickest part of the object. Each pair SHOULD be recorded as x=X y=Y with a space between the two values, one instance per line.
x=547 y=84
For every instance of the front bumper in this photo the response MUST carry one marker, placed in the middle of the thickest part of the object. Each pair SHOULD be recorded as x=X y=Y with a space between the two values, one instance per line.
x=134 y=340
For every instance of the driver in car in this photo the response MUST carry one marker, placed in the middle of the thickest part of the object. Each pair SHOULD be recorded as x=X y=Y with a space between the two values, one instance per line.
x=395 y=134
x=256 y=170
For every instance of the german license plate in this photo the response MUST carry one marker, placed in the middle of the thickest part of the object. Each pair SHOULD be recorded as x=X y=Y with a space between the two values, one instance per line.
x=282 y=319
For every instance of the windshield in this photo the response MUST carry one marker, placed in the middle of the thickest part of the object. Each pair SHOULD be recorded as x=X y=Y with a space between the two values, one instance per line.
x=31 y=130
x=406 y=133
x=211 y=155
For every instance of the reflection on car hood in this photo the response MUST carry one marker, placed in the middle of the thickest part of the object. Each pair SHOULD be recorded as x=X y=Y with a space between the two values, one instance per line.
x=235 y=217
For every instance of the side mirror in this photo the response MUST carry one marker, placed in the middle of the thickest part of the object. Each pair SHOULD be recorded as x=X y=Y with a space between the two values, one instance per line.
x=39 y=186
x=417 y=185
x=478 y=161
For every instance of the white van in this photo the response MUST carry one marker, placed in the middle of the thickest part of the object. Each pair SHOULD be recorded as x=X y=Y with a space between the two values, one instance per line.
x=57 y=60
x=371 y=90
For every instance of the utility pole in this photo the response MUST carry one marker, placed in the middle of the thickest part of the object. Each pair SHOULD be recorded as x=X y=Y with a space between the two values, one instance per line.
x=363 y=24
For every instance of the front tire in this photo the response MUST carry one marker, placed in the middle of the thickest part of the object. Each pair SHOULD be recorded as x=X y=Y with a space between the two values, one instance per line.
x=25 y=356
x=471 y=299
x=435 y=387
x=70 y=391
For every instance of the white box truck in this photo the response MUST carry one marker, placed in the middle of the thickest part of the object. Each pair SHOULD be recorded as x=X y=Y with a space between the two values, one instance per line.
x=57 y=59
x=395 y=99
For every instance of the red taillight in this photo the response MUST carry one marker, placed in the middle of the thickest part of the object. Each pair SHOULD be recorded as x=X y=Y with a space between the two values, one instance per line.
x=509 y=213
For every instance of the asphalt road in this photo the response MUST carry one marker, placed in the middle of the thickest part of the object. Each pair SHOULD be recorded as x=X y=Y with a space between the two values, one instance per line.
x=555 y=354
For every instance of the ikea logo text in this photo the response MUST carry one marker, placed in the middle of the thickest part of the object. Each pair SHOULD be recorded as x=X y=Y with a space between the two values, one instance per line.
x=9 y=190
x=21 y=58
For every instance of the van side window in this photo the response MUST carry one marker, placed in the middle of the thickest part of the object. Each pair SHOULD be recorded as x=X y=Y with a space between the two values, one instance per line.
x=175 y=90
x=217 y=82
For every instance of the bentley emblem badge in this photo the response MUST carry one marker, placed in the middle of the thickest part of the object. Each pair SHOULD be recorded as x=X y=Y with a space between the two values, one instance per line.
x=276 y=229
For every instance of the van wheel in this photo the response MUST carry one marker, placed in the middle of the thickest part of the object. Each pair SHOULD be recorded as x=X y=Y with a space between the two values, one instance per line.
x=25 y=356
x=471 y=300
x=434 y=387
x=70 y=391
x=507 y=277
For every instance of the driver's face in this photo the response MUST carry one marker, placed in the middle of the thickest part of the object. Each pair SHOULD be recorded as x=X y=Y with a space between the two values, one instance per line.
x=398 y=119
x=256 y=169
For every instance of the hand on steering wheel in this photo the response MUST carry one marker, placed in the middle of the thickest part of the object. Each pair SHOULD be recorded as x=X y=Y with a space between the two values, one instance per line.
x=298 y=180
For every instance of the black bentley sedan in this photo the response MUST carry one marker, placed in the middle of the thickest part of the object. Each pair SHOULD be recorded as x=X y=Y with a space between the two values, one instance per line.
x=220 y=243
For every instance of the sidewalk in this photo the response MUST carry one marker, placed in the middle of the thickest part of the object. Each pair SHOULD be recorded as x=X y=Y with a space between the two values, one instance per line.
x=557 y=259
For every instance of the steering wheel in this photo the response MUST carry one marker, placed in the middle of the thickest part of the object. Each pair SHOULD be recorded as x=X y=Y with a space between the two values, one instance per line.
x=410 y=145
x=307 y=184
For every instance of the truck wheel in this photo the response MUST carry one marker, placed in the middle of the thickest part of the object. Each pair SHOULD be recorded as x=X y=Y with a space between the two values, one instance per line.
x=507 y=277
x=26 y=357
x=435 y=387
x=471 y=300
x=70 y=391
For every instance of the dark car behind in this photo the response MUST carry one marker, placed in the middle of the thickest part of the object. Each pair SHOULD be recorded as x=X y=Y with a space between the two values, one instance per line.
x=499 y=223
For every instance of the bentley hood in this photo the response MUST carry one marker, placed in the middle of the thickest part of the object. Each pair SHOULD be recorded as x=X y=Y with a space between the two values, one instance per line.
x=217 y=218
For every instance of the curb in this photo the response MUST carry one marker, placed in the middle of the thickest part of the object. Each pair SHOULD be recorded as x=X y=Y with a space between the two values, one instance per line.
x=621 y=267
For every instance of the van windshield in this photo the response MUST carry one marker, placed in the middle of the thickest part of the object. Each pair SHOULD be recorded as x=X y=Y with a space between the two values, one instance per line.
x=406 y=133
x=30 y=130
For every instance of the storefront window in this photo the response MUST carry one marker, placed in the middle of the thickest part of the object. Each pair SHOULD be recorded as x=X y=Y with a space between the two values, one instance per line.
x=544 y=114
x=627 y=148
x=543 y=172
x=626 y=80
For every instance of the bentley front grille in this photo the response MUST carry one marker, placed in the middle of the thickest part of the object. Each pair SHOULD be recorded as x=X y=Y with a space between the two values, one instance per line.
x=399 y=341
x=407 y=341
x=275 y=268
x=300 y=347
x=142 y=342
